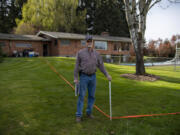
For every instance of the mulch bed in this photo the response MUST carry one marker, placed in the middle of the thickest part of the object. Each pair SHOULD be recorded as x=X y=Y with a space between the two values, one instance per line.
x=147 y=77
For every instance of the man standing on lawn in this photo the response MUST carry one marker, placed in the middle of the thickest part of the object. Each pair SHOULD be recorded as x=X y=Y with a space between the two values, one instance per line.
x=87 y=60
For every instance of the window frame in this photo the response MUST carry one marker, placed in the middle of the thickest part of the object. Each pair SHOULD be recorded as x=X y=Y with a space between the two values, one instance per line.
x=65 y=40
x=23 y=45
x=106 y=48
x=84 y=42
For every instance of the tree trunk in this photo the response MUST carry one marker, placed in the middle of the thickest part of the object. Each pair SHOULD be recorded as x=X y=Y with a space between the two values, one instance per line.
x=140 y=69
x=138 y=43
x=136 y=12
x=136 y=29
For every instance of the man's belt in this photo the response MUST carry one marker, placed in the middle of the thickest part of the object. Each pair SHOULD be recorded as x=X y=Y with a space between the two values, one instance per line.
x=87 y=74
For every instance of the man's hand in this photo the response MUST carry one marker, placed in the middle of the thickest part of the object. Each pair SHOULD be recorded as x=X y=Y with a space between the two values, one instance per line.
x=109 y=77
x=76 y=81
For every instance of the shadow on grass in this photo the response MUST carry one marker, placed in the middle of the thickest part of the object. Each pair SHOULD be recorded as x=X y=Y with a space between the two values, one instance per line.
x=162 y=77
x=170 y=79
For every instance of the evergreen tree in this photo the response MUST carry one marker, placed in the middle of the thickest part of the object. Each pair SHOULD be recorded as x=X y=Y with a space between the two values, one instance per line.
x=110 y=17
x=89 y=6
x=4 y=16
x=9 y=11
x=105 y=16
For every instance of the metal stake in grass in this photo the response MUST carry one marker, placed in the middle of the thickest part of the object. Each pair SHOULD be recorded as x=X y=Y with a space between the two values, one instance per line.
x=110 y=100
x=76 y=89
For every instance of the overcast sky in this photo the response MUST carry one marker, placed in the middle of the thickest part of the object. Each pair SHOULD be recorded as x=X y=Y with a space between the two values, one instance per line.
x=163 y=23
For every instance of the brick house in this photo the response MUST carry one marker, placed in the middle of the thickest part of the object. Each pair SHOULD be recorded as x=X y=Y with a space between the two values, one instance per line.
x=68 y=44
x=64 y=44
x=11 y=42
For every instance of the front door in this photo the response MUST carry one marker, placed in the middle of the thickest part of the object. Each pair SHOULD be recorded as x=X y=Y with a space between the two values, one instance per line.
x=45 y=50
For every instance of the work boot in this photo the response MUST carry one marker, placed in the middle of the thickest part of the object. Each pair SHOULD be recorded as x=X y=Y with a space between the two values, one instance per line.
x=90 y=116
x=78 y=119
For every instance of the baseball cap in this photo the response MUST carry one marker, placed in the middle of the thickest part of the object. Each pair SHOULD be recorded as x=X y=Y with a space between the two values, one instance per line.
x=89 y=38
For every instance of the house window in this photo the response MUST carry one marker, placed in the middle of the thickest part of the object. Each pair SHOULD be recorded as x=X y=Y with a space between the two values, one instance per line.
x=65 y=42
x=102 y=45
x=83 y=42
x=23 y=45
x=117 y=47
x=2 y=44
x=125 y=47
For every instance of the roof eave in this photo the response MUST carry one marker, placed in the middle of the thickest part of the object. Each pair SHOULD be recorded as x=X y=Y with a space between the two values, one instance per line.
x=83 y=38
x=45 y=33
x=24 y=39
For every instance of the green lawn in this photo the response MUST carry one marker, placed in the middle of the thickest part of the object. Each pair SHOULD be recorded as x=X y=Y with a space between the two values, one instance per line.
x=35 y=101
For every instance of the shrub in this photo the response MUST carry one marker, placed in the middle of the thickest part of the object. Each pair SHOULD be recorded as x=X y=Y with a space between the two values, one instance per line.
x=1 y=54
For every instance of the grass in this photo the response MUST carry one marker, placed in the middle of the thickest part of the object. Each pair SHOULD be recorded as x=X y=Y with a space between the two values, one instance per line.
x=34 y=101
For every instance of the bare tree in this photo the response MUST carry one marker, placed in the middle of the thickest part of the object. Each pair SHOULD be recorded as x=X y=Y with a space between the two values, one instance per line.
x=136 y=14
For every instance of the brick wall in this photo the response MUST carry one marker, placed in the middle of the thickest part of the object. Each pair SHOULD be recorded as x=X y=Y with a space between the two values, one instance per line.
x=10 y=46
x=69 y=50
x=75 y=46
x=55 y=48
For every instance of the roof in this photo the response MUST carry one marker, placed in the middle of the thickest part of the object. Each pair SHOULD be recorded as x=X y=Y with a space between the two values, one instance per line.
x=62 y=35
x=21 y=37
